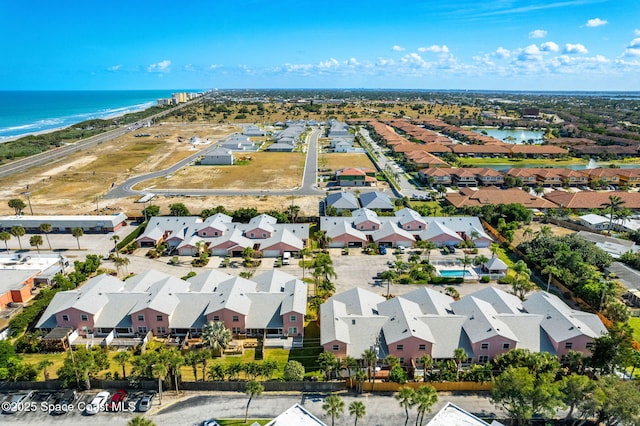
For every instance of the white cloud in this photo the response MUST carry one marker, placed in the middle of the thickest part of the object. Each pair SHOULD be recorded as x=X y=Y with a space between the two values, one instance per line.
x=162 y=66
x=549 y=46
x=415 y=60
x=596 y=22
x=575 y=48
x=115 y=67
x=502 y=53
x=537 y=34
x=331 y=63
x=214 y=66
x=434 y=48
x=352 y=62
x=636 y=32
x=397 y=48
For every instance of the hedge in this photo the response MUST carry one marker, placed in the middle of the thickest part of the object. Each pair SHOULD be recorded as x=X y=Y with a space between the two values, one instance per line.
x=132 y=236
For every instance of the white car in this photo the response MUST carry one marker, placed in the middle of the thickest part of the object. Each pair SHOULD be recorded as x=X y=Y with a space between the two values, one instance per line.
x=98 y=403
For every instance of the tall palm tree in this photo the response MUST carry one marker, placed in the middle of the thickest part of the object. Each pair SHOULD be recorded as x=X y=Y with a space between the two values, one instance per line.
x=427 y=363
x=425 y=398
x=459 y=356
x=160 y=371
x=77 y=232
x=334 y=406
x=545 y=231
x=358 y=410
x=614 y=205
x=115 y=240
x=18 y=231
x=192 y=358
x=36 y=240
x=5 y=236
x=43 y=365
x=527 y=233
x=494 y=247
x=550 y=270
x=253 y=388
x=216 y=336
x=405 y=397
x=389 y=275
x=122 y=358
x=370 y=357
x=46 y=229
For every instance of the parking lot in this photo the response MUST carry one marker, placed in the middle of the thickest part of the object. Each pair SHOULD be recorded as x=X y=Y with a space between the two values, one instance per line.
x=47 y=407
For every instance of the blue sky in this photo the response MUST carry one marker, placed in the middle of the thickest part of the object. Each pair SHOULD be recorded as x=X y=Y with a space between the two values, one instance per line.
x=435 y=44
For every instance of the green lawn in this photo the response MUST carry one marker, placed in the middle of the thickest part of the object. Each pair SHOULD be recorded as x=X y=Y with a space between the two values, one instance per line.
x=308 y=354
x=634 y=322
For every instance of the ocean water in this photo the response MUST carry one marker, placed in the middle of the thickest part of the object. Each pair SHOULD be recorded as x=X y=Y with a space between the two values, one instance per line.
x=26 y=112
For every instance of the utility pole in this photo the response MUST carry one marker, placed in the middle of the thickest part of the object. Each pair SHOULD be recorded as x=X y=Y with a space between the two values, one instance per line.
x=28 y=195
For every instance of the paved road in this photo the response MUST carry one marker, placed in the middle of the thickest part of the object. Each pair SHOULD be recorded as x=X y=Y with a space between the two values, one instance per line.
x=406 y=189
x=309 y=179
x=54 y=154
x=192 y=408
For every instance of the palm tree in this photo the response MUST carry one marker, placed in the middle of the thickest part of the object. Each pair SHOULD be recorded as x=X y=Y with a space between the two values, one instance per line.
x=115 y=240
x=427 y=246
x=466 y=261
x=192 y=358
x=77 y=232
x=494 y=247
x=358 y=410
x=43 y=365
x=538 y=190
x=36 y=240
x=425 y=398
x=322 y=238
x=348 y=363
x=216 y=336
x=140 y=421
x=452 y=292
x=459 y=356
x=18 y=231
x=253 y=388
x=176 y=360
x=160 y=371
x=304 y=253
x=545 y=231
x=334 y=406
x=370 y=357
x=405 y=398
x=46 y=228
x=550 y=270
x=5 y=236
x=389 y=275
x=122 y=358
x=614 y=205
x=427 y=363
x=520 y=268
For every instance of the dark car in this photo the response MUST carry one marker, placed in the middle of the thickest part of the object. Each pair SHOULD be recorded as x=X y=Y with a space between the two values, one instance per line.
x=63 y=401
x=117 y=400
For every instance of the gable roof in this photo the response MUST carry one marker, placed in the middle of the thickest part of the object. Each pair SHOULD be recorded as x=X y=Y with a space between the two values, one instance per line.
x=375 y=200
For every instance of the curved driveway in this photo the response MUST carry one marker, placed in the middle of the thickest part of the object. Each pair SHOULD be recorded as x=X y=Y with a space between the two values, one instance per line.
x=309 y=179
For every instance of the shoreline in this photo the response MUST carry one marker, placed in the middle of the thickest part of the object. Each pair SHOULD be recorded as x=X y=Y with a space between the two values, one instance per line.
x=56 y=129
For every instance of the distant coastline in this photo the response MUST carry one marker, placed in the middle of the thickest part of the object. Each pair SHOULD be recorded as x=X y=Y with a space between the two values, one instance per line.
x=24 y=113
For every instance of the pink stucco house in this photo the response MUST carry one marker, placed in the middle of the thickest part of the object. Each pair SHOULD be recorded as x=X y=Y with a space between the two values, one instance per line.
x=485 y=324
x=273 y=304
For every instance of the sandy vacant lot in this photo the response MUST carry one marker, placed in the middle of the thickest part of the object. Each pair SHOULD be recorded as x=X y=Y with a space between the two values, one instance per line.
x=272 y=170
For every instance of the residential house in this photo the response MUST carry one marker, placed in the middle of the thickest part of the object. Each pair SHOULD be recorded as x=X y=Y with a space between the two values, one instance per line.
x=356 y=177
x=252 y=130
x=468 y=197
x=376 y=200
x=436 y=176
x=218 y=156
x=273 y=304
x=342 y=201
x=187 y=235
x=595 y=222
x=586 y=200
x=486 y=324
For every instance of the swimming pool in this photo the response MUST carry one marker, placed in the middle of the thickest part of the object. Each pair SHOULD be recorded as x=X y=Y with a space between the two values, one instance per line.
x=455 y=273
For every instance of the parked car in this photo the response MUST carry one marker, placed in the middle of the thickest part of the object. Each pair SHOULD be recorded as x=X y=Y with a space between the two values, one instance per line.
x=451 y=249
x=382 y=250
x=98 y=403
x=13 y=405
x=63 y=401
x=145 y=402
x=210 y=422
x=402 y=249
x=117 y=400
